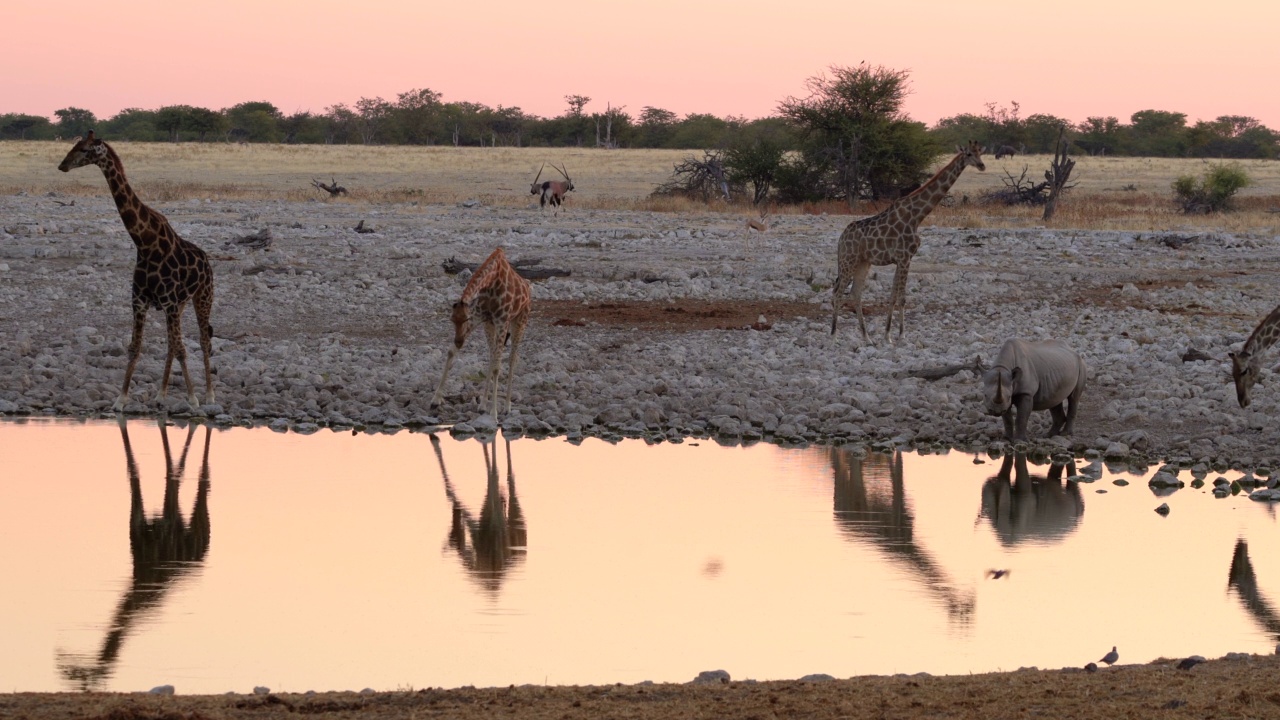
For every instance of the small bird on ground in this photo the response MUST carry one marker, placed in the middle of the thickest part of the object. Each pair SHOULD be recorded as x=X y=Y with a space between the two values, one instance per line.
x=997 y=574
x=1111 y=657
x=1091 y=667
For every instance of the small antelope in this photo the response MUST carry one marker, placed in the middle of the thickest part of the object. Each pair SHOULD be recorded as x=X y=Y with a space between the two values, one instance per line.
x=553 y=191
x=760 y=224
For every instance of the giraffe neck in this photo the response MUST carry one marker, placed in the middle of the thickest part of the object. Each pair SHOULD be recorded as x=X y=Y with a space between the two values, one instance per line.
x=922 y=202
x=485 y=276
x=128 y=203
x=1265 y=335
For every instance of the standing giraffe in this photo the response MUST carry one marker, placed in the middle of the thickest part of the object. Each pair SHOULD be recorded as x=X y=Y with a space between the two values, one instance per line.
x=499 y=298
x=891 y=237
x=169 y=271
x=1246 y=364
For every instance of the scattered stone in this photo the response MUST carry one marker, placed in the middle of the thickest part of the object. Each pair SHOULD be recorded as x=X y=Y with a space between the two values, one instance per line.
x=1163 y=509
x=261 y=690
x=817 y=677
x=161 y=690
x=707 y=677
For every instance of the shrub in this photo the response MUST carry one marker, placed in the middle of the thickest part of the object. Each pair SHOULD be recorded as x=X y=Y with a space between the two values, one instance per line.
x=1213 y=192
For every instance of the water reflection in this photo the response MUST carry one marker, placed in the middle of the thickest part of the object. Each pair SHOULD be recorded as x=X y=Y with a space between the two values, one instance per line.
x=1244 y=582
x=495 y=543
x=871 y=506
x=1022 y=507
x=165 y=549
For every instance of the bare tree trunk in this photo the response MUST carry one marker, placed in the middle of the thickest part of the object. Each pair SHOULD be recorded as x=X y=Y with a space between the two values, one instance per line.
x=1057 y=175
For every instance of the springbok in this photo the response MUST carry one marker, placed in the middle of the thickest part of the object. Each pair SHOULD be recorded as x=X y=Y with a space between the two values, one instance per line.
x=553 y=191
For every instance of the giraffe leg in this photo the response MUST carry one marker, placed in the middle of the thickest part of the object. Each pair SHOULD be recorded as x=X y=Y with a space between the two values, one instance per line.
x=837 y=299
x=496 y=341
x=203 y=305
x=173 y=318
x=898 y=297
x=135 y=349
x=859 y=284
x=517 y=332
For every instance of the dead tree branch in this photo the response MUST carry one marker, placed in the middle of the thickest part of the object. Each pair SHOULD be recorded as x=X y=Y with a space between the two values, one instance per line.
x=1057 y=174
x=523 y=268
x=1017 y=190
x=694 y=178
x=334 y=189
x=937 y=373
x=259 y=240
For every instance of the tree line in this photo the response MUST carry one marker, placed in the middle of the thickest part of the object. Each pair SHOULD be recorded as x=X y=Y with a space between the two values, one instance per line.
x=848 y=139
x=422 y=117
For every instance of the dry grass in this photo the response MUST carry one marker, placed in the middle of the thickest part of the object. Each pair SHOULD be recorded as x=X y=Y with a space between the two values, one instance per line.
x=1112 y=193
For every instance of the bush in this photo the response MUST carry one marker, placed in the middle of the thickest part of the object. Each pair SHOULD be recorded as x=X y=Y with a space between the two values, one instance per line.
x=1212 y=193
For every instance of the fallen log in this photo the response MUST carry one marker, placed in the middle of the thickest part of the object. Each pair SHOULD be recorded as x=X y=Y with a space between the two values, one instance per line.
x=937 y=373
x=523 y=268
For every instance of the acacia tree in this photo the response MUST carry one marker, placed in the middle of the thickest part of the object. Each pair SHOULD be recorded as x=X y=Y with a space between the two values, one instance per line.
x=74 y=121
x=855 y=140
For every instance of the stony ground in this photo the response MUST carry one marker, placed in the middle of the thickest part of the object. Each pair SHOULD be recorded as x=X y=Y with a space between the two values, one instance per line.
x=1227 y=688
x=668 y=325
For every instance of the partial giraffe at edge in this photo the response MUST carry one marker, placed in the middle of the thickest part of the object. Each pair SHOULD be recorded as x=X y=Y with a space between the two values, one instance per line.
x=169 y=272
x=499 y=298
x=1246 y=365
x=891 y=237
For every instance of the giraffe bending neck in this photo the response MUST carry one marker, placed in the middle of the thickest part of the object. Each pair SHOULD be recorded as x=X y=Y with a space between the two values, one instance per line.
x=498 y=298
x=1246 y=365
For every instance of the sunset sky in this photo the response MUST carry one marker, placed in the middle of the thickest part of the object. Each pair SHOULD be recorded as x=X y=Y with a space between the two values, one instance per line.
x=725 y=57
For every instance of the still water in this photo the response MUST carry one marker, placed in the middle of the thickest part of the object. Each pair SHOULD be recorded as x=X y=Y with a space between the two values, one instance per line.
x=136 y=555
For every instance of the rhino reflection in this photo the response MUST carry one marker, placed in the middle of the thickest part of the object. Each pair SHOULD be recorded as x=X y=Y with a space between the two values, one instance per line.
x=495 y=542
x=1039 y=508
x=871 y=505
x=1244 y=582
x=165 y=549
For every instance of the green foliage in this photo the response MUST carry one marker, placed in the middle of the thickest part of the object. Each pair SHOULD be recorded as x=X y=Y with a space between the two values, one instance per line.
x=132 y=124
x=854 y=139
x=1213 y=192
x=17 y=126
x=1157 y=133
x=74 y=122
x=754 y=156
x=960 y=129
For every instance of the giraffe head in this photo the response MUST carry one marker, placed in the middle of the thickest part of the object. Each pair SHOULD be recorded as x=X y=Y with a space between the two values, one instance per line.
x=461 y=323
x=971 y=155
x=88 y=150
x=1244 y=370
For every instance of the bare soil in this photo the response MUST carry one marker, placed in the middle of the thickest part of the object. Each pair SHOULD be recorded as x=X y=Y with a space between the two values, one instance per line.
x=1243 y=688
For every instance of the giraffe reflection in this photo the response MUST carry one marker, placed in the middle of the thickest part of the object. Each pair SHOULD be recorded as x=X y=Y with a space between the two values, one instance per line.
x=165 y=549
x=495 y=542
x=1244 y=582
x=1039 y=508
x=871 y=505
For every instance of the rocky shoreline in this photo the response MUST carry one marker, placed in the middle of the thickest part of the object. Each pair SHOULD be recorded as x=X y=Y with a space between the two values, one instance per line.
x=668 y=326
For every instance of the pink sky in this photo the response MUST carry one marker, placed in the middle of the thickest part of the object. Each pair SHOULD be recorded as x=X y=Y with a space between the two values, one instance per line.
x=725 y=57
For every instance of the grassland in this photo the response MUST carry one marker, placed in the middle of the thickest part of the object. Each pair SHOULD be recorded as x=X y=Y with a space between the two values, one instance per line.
x=1110 y=192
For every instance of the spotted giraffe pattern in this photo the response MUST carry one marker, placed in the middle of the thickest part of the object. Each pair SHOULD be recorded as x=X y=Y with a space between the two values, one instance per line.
x=498 y=298
x=1246 y=365
x=169 y=271
x=892 y=238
